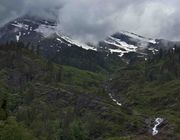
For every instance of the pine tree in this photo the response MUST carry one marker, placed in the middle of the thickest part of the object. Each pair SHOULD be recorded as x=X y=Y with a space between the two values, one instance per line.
x=3 y=110
x=59 y=74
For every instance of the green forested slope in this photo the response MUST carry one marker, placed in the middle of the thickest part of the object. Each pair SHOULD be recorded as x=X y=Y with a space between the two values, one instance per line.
x=41 y=100
x=151 y=89
x=46 y=101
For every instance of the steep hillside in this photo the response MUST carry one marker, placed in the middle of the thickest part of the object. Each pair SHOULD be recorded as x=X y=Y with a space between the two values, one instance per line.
x=43 y=100
x=151 y=89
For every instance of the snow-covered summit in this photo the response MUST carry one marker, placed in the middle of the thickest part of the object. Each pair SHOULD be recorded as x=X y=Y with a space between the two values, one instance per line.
x=36 y=30
x=124 y=42
x=49 y=36
x=139 y=38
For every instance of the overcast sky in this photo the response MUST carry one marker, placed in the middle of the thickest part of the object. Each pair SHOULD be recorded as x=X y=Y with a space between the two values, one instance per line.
x=95 y=19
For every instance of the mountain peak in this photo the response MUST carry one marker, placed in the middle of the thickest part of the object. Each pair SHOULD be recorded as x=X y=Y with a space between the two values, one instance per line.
x=134 y=36
x=124 y=42
x=48 y=34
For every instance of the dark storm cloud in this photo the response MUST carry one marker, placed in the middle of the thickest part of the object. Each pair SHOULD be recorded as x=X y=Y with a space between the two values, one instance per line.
x=94 y=19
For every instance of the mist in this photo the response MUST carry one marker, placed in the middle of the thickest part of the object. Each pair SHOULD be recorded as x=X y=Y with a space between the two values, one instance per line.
x=93 y=20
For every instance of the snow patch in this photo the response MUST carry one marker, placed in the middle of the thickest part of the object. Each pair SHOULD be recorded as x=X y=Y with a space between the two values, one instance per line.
x=77 y=43
x=21 y=25
x=59 y=40
x=153 y=50
x=18 y=36
x=122 y=47
x=46 y=30
x=114 y=100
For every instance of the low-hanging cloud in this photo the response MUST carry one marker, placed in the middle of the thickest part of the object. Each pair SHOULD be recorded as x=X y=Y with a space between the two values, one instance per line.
x=92 y=20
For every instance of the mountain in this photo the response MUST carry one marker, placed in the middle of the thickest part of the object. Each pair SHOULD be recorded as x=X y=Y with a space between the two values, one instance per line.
x=47 y=34
x=45 y=37
x=53 y=87
x=125 y=42
x=36 y=30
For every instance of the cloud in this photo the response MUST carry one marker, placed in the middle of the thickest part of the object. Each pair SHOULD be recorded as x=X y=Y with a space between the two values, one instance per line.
x=92 y=20
x=10 y=9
